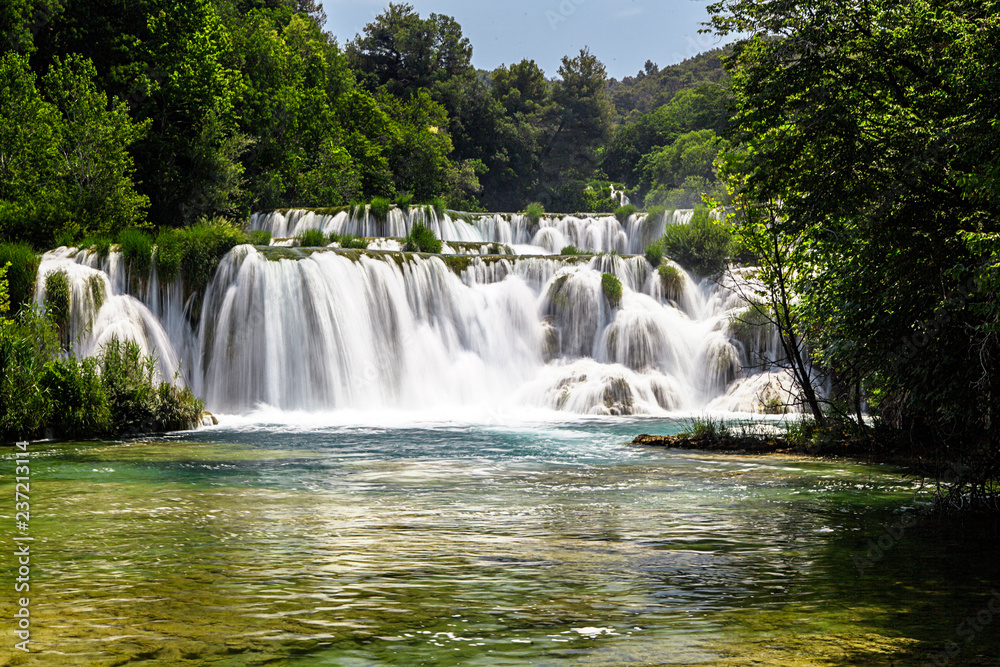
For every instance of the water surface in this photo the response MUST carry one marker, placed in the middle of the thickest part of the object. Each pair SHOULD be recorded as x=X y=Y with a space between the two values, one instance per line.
x=545 y=543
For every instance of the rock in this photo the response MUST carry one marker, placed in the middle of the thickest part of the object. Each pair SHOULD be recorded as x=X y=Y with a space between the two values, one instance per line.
x=208 y=419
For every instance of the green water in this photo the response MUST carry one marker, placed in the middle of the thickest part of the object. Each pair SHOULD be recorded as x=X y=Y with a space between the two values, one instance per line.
x=469 y=545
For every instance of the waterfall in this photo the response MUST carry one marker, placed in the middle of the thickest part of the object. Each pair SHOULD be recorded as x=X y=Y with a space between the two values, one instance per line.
x=383 y=330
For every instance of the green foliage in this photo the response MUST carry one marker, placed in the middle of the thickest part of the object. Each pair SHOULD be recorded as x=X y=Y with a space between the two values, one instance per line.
x=622 y=213
x=379 y=208
x=439 y=205
x=403 y=202
x=78 y=398
x=572 y=250
x=679 y=175
x=652 y=87
x=57 y=300
x=703 y=245
x=21 y=273
x=194 y=253
x=654 y=253
x=260 y=237
x=137 y=248
x=672 y=280
x=348 y=241
x=612 y=288
x=422 y=239
x=27 y=343
x=534 y=212
x=312 y=238
x=137 y=404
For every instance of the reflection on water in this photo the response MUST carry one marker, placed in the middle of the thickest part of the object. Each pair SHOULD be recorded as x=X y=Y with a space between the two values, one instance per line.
x=476 y=545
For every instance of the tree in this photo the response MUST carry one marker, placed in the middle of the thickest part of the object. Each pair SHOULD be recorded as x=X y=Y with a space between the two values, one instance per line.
x=874 y=126
x=579 y=122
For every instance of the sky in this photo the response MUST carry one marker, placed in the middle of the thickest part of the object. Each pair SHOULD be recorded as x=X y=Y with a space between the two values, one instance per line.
x=623 y=34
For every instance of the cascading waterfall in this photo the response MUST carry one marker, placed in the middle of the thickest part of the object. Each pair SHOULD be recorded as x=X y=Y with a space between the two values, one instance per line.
x=379 y=329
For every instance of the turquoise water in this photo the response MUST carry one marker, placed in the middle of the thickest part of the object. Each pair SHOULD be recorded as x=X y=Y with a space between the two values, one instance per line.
x=547 y=543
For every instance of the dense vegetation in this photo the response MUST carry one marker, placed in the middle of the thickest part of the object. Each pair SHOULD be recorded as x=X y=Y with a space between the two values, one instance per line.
x=44 y=391
x=866 y=183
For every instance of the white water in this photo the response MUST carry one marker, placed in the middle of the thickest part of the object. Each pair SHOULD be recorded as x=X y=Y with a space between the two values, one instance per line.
x=334 y=331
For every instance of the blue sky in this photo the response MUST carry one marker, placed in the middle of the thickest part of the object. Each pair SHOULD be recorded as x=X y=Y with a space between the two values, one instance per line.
x=622 y=33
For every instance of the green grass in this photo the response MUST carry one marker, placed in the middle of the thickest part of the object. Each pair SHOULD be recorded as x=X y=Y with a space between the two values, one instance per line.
x=422 y=239
x=655 y=214
x=403 y=202
x=379 y=208
x=572 y=250
x=312 y=238
x=260 y=237
x=612 y=288
x=194 y=252
x=348 y=241
x=137 y=249
x=534 y=211
x=623 y=213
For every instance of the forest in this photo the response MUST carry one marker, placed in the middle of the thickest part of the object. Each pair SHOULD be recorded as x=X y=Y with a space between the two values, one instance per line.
x=854 y=148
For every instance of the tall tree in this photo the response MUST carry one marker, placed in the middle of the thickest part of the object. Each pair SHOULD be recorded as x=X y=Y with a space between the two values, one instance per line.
x=874 y=126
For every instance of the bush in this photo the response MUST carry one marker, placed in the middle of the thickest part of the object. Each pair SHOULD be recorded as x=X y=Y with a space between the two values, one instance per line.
x=654 y=253
x=672 y=281
x=348 y=241
x=655 y=213
x=703 y=245
x=403 y=202
x=440 y=206
x=534 y=212
x=422 y=239
x=136 y=403
x=194 y=252
x=612 y=288
x=260 y=237
x=623 y=213
x=572 y=250
x=137 y=249
x=312 y=238
x=379 y=208
x=99 y=244
x=27 y=343
x=21 y=273
x=79 y=404
x=57 y=301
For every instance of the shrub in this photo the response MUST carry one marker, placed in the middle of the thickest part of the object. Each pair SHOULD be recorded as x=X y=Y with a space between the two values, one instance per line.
x=654 y=253
x=99 y=244
x=311 y=238
x=422 y=239
x=572 y=250
x=260 y=237
x=534 y=212
x=348 y=241
x=612 y=288
x=57 y=300
x=137 y=249
x=439 y=205
x=79 y=404
x=654 y=214
x=623 y=213
x=379 y=208
x=21 y=273
x=403 y=202
x=195 y=252
x=703 y=245
x=136 y=403
x=27 y=342
x=672 y=281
